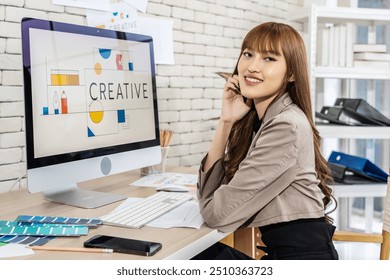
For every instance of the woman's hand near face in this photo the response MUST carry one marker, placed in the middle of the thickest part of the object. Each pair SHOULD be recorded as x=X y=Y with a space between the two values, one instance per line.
x=233 y=109
x=233 y=106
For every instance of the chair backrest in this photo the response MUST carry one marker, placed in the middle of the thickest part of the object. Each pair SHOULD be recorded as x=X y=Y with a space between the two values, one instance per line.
x=383 y=239
x=385 y=247
x=386 y=216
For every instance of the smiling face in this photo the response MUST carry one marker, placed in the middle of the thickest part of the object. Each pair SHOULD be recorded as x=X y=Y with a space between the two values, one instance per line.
x=271 y=55
x=261 y=75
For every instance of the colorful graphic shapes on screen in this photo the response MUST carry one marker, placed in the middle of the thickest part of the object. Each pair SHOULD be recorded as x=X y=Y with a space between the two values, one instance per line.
x=98 y=68
x=96 y=111
x=96 y=117
x=90 y=133
x=119 y=62
x=105 y=53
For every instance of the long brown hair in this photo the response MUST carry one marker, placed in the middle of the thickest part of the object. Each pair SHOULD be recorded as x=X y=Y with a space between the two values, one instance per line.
x=279 y=37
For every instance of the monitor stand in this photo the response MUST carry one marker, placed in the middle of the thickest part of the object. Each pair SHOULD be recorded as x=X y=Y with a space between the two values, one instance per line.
x=82 y=198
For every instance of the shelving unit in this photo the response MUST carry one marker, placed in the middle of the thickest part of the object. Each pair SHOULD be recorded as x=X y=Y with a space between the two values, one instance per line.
x=339 y=14
x=313 y=17
x=351 y=73
x=351 y=132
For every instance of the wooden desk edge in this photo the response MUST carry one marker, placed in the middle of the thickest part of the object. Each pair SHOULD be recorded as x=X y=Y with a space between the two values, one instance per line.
x=23 y=202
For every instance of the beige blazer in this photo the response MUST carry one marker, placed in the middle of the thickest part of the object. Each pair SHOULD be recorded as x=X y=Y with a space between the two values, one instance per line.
x=276 y=182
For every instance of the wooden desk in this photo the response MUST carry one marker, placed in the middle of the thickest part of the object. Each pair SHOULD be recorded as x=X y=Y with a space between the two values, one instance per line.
x=178 y=243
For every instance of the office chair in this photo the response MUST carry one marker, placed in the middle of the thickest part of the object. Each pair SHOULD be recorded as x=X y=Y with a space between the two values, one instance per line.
x=246 y=239
x=383 y=239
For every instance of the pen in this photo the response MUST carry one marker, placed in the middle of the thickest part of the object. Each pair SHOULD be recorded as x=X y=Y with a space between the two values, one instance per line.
x=71 y=249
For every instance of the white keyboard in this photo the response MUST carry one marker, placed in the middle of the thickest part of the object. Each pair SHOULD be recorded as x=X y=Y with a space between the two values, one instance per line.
x=139 y=214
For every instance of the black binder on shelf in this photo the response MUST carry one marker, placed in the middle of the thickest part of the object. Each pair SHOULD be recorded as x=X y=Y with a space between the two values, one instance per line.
x=349 y=169
x=342 y=174
x=360 y=107
x=355 y=112
x=336 y=115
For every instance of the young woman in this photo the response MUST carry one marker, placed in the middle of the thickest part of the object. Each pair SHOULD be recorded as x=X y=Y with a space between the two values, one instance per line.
x=264 y=167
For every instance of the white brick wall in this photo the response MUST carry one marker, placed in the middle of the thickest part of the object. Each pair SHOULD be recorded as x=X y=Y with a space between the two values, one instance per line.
x=207 y=36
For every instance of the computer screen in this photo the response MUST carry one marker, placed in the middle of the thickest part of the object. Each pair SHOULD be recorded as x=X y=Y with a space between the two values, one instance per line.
x=90 y=107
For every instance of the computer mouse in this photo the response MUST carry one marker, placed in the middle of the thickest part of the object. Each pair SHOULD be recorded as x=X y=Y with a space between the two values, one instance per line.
x=173 y=188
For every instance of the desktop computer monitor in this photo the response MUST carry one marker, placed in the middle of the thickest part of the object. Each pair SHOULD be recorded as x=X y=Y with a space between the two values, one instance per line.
x=90 y=108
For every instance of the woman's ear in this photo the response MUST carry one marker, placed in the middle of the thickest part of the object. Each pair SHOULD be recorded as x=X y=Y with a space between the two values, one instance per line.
x=291 y=78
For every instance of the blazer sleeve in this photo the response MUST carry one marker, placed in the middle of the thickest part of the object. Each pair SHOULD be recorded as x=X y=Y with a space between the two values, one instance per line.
x=211 y=180
x=268 y=169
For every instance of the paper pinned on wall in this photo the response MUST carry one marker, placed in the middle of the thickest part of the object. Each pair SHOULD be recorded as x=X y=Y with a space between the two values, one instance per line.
x=140 y=5
x=120 y=17
x=161 y=30
x=103 y=5
x=124 y=17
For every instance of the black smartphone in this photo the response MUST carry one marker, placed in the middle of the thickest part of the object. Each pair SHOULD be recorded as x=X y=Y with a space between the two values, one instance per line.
x=124 y=245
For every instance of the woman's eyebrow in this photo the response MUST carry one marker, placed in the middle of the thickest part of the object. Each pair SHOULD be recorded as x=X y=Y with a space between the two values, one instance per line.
x=270 y=52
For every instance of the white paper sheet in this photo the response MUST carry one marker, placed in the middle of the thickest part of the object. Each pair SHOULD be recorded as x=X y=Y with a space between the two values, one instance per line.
x=140 y=5
x=103 y=5
x=158 y=180
x=124 y=17
x=186 y=215
x=121 y=17
x=14 y=250
x=161 y=30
